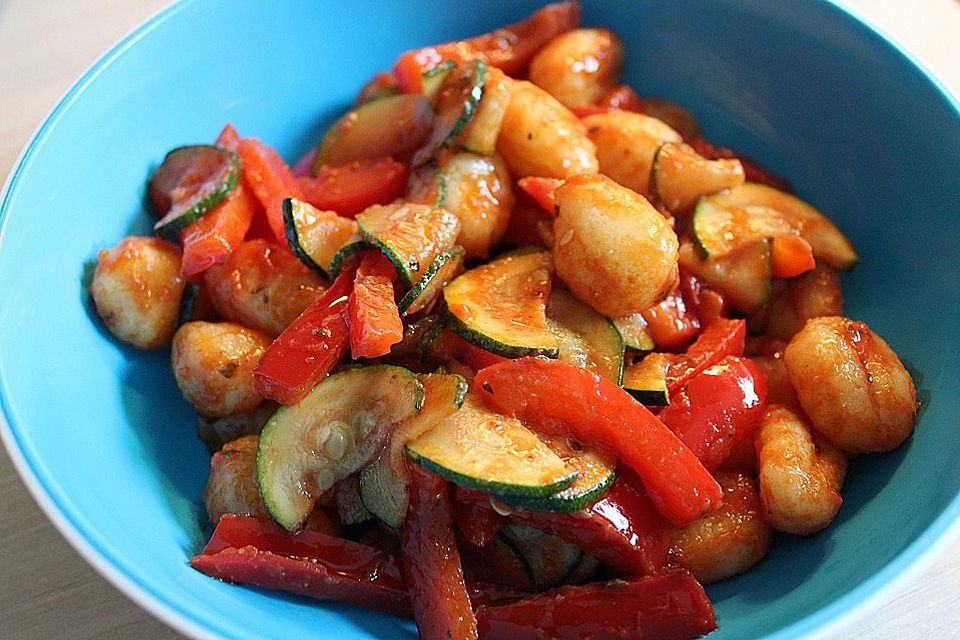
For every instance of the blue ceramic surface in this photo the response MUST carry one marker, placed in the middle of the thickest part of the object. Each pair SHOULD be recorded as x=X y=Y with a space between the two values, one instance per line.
x=109 y=446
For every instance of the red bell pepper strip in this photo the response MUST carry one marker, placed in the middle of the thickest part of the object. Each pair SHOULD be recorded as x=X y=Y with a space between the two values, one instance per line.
x=478 y=523
x=542 y=190
x=228 y=137
x=431 y=562
x=722 y=338
x=309 y=348
x=351 y=188
x=563 y=398
x=670 y=323
x=509 y=48
x=270 y=180
x=247 y=531
x=622 y=529
x=753 y=171
x=211 y=239
x=671 y=606
x=718 y=408
x=374 y=319
x=304 y=166
x=790 y=256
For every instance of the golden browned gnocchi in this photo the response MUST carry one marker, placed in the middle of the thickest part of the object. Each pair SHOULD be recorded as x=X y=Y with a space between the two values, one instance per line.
x=479 y=192
x=612 y=248
x=814 y=294
x=577 y=67
x=262 y=286
x=137 y=290
x=213 y=365
x=232 y=486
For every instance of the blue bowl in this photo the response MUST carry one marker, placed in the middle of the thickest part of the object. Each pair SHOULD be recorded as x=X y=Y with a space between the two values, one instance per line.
x=108 y=446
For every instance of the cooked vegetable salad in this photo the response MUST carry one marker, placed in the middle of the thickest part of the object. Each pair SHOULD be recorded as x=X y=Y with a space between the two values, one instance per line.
x=514 y=351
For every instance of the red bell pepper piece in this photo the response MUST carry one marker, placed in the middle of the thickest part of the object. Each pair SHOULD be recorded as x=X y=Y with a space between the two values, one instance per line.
x=309 y=348
x=351 y=188
x=706 y=303
x=478 y=523
x=542 y=190
x=671 y=606
x=211 y=239
x=228 y=138
x=622 y=529
x=753 y=171
x=670 y=323
x=431 y=562
x=563 y=398
x=718 y=408
x=509 y=48
x=374 y=319
x=791 y=256
x=270 y=180
x=722 y=338
x=264 y=534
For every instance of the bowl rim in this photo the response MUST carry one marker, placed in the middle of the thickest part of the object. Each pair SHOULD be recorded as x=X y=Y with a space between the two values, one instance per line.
x=916 y=558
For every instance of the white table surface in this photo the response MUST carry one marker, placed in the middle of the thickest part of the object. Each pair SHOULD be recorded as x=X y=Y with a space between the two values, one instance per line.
x=48 y=591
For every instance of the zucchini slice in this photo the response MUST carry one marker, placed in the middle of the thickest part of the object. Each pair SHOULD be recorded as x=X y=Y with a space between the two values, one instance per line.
x=314 y=236
x=307 y=447
x=427 y=185
x=350 y=508
x=720 y=231
x=427 y=289
x=547 y=559
x=481 y=133
x=586 y=338
x=454 y=104
x=500 y=306
x=647 y=380
x=189 y=182
x=680 y=176
x=828 y=242
x=433 y=78
x=386 y=126
x=384 y=483
x=355 y=245
x=480 y=449
x=410 y=235
x=633 y=330
x=744 y=277
x=596 y=471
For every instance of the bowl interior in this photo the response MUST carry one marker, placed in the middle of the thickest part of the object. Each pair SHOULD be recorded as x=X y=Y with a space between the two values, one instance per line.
x=808 y=91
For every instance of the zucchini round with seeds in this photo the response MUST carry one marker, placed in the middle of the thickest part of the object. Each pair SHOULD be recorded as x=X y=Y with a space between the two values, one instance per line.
x=384 y=127
x=744 y=277
x=314 y=236
x=596 y=471
x=307 y=447
x=191 y=181
x=501 y=306
x=427 y=289
x=719 y=231
x=480 y=449
x=647 y=380
x=828 y=242
x=454 y=104
x=410 y=235
x=586 y=338
x=384 y=483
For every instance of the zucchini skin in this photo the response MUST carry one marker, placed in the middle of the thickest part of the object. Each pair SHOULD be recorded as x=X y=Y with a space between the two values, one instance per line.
x=172 y=222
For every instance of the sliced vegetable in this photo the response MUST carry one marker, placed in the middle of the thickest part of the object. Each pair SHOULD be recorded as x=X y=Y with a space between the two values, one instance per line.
x=622 y=529
x=671 y=606
x=596 y=470
x=547 y=558
x=427 y=289
x=500 y=306
x=827 y=241
x=560 y=398
x=586 y=338
x=411 y=235
x=342 y=257
x=480 y=134
x=191 y=181
x=390 y=126
x=271 y=181
x=670 y=323
x=719 y=231
x=385 y=483
x=374 y=320
x=455 y=104
x=718 y=408
x=256 y=552
x=753 y=171
x=316 y=236
x=478 y=448
x=346 y=497
x=213 y=237
x=478 y=525
x=791 y=256
x=680 y=176
x=509 y=48
x=431 y=562
x=432 y=79
x=647 y=380
x=350 y=188
x=633 y=329
x=542 y=190
x=744 y=277
x=725 y=337
x=309 y=348
x=334 y=430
